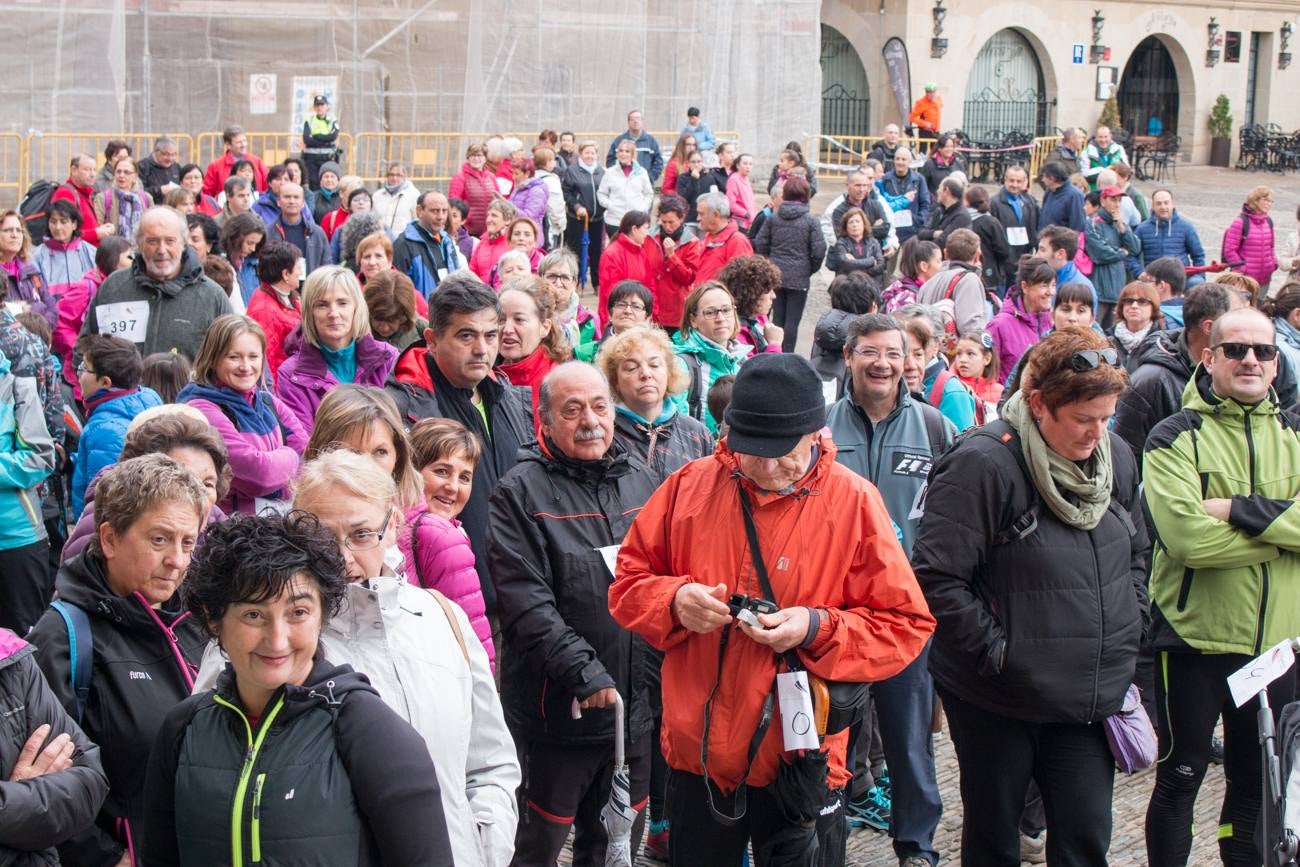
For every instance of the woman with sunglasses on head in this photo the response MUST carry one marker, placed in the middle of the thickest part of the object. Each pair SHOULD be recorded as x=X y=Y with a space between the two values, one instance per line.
x=1137 y=315
x=1032 y=556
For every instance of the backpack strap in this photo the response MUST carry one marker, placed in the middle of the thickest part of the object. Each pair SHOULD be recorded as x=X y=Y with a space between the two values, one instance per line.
x=445 y=605
x=81 y=651
x=952 y=284
x=935 y=395
x=695 y=394
x=1026 y=523
x=934 y=431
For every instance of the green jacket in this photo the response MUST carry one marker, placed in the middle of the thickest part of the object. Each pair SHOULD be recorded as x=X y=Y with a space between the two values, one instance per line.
x=706 y=362
x=1221 y=587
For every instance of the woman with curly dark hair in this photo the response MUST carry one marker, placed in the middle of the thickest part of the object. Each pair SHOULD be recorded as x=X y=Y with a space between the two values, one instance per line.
x=344 y=779
x=754 y=281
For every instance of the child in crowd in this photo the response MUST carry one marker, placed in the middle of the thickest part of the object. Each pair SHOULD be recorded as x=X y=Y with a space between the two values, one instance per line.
x=718 y=397
x=63 y=257
x=166 y=373
x=976 y=365
x=109 y=376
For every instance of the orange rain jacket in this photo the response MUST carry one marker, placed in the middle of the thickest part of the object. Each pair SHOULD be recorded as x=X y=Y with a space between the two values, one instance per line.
x=829 y=545
x=925 y=115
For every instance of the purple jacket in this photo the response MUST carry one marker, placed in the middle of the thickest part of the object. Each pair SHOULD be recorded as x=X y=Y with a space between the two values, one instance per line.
x=446 y=564
x=530 y=201
x=1257 y=250
x=86 y=527
x=263 y=465
x=1014 y=331
x=304 y=378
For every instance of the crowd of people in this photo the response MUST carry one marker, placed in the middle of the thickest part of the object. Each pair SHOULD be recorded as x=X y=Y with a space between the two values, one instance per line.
x=357 y=526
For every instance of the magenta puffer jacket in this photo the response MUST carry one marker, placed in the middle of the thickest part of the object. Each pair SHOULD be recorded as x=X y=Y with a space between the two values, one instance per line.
x=263 y=465
x=1257 y=250
x=304 y=378
x=1014 y=331
x=438 y=557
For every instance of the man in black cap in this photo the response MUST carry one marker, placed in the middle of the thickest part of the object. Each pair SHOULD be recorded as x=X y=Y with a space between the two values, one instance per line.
x=742 y=566
x=320 y=132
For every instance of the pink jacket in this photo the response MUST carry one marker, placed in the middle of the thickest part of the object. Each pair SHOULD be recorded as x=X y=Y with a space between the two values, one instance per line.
x=263 y=465
x=72 y=308
x=1014 y=330
x=1257 y=250
x=740 y=196
x=446 y=564
x=486 y=255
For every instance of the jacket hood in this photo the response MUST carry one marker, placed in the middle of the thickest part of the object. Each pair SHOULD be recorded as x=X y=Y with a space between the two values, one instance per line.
x=412 y=369
x=83 y=581
x=1167 y=349
x=1199 y=396
x=811 y=483
x=191 y=274
x=791 y=210
x=694 y=343
x=1015 y=308
x=832 y=330
x=326 y=686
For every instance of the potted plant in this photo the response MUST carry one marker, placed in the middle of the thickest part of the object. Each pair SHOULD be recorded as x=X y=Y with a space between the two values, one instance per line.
x=1220 y=125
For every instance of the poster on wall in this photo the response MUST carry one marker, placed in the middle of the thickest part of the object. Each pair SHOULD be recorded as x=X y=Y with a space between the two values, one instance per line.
x=1107 y=77
x=261 y=93
x=305 y=89
x=900 y=74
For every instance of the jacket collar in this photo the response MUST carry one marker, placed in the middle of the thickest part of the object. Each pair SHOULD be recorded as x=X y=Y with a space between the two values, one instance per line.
x=810 y=484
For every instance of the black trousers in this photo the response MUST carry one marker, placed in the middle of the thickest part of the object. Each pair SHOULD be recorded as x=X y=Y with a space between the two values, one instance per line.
x=25 y=586
x=786 y=312
x=998 y=756
x=698 y=840
x=1191 y=693
x=565 y=787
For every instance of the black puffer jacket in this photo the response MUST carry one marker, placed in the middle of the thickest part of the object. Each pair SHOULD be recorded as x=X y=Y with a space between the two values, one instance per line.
x=145 y=660
x=943 y=222
x=663 y=448
x=328 y=775
x=1162 y=367
x=1044 y=627
x=792 y=238
x=549 y=518
x=994 y=252
x=42 y=812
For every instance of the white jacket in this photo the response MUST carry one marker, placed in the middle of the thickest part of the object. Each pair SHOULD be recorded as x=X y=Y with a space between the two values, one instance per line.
x=397 y=209
x=400 y=638
x=556 y=217
x=619 y=193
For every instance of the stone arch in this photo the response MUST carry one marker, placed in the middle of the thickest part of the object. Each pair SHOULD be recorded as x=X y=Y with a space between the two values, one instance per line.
x=1157 y=80
x=1007 y=88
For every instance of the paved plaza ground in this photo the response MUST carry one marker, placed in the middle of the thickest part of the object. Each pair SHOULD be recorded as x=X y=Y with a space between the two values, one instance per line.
x=1210 y=198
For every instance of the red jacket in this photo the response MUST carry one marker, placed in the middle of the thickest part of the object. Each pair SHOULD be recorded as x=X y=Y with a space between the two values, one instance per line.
x=717 y=250
x=830 y=546
x=214 y=179
x=277 y=321
x=486 y=255
x=623 y=260
x=477 y=189
x=675 y=279
x=334 y=221
x=83 y=198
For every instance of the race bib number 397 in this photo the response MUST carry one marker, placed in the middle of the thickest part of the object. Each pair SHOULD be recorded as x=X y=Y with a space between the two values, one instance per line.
x=128 y=320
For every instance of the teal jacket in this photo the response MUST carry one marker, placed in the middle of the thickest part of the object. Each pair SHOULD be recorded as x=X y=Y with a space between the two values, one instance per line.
x=26 y=459
x=706 y=362
x=1234 y=586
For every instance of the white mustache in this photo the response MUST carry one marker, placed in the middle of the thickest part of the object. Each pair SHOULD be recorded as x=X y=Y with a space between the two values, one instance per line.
x=587 y=434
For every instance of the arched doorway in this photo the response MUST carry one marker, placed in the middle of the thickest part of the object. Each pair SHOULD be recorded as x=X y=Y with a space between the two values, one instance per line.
x=1148 y=90
x=846 y=98
x=1005 y=91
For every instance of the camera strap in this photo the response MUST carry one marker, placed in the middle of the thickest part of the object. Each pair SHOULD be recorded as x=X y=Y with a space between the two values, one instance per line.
x=760 y=568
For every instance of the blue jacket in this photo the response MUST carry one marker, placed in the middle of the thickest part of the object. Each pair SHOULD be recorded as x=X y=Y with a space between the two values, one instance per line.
x=248 y=279
x=26 y=460
x=415 y=251
x=103 y=436
x=957 y=404
x=895 y=189
x=268 y=209
x=1108 y=248
x=1062 y=207
x=648 y=153
x=1173 y=237
x=1071 y=274
x=704 y=140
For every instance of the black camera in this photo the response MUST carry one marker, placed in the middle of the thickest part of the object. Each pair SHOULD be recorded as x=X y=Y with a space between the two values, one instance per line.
x=747 y=608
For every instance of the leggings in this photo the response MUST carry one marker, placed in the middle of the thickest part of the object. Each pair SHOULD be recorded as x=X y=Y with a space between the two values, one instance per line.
x=786 y=312
x=1191 y=693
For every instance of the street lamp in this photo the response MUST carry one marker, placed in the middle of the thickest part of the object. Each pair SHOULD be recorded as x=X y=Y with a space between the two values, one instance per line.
x=1212 y=50
x=1098 y=51
x=1284 y=56
x=938 y=45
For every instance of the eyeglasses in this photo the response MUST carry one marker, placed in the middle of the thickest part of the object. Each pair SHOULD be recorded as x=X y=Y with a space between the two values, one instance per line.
x=872 y=354
x=560 y=278
x=81 y=368
x=366 y=540
x=1237 y=351
x=1140 y=302
x=630 y=306
x=717 y=312
x=1091 y=359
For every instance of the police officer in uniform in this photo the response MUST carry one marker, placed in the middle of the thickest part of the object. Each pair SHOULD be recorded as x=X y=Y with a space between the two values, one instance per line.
x=319 y=134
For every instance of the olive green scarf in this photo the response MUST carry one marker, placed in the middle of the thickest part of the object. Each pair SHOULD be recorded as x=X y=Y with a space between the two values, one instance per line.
x=1055 y=475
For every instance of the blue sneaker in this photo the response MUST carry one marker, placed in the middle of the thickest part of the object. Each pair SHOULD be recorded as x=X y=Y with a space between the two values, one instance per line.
x=870 y=811
x=884 y=783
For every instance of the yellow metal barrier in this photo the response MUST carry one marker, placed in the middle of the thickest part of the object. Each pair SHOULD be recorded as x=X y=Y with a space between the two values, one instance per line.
x=13 y=169
x=429 y=157
x=269 y=147
x=832 y=156
x=1043 y=147
x=49 y=155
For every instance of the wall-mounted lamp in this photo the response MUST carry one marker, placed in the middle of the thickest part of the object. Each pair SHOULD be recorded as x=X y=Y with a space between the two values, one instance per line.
x=938 y=45
x=1098 y=51
x=1212 y=48
x=1283 y=55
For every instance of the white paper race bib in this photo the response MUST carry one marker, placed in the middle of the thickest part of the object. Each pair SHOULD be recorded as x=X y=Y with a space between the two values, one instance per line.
x=128 y=320
x=1017 y=236
x=610 y=555
x=1256 y=675
x=795 y=698
x=280 y=507
x=903 y=218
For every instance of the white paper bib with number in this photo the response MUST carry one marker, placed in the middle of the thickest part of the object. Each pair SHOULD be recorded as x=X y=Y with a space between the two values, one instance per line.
x=610 y=555
x=795 y=700
x=1017 y=236
x=903 y=218
x=128 y=320
x=280 y=507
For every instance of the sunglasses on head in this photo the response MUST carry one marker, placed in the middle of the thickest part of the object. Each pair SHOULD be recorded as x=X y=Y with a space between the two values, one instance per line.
x=1091 y=359
x=1237 y=351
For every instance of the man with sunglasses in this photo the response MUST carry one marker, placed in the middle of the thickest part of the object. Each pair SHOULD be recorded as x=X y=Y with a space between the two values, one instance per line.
x=1221 y=479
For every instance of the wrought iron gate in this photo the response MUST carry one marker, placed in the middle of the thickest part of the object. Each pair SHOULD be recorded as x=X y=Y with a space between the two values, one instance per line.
x=1005 y=91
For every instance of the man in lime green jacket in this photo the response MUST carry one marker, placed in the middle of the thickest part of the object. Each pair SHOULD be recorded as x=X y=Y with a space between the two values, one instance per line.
x=1221 y=480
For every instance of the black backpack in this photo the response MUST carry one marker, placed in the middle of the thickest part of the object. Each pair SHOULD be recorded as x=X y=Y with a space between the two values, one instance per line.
x=35 y=208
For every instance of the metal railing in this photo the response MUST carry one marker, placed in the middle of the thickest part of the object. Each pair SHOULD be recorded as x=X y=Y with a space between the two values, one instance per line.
x=48 y=155
x=834 y=155
x=270 y=147
x=13 y=168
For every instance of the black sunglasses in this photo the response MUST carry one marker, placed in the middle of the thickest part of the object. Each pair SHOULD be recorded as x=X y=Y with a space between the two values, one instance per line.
x=1237 y=351
x=1091 y=359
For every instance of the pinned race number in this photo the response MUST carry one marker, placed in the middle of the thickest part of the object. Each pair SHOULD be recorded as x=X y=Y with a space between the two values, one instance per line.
x=128 y=320
x=610 y=555
x=1249 y=681
x=903 y=218
x=1017 y=236
x=798 y=731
